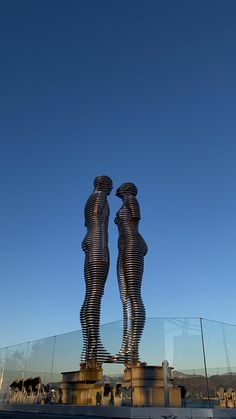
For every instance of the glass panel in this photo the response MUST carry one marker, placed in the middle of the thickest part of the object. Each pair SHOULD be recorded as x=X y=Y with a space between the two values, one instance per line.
x=111 y=337
x=39 y=361
x=2 y=367
x=188 y=359
x=152 y=345
x=13 y=367
x=67 y=354
x=179 y=341
x=176 y=340
x=220 y=348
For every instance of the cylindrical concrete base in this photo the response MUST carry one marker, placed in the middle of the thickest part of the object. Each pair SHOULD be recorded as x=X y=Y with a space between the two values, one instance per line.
x=79 y=387
x=147 y=383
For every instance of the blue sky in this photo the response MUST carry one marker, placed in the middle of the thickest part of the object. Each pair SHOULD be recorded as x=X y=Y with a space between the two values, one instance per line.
x=142 y=91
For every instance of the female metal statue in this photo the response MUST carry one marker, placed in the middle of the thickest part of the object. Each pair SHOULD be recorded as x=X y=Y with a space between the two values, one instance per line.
x=132 y=249
x=95 y=246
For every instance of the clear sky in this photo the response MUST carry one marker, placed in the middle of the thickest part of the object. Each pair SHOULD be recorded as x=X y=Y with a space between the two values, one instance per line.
x=142 y=91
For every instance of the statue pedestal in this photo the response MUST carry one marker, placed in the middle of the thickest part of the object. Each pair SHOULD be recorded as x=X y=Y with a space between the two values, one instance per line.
x=149 y=385
x=80 y=387
x=152 y=386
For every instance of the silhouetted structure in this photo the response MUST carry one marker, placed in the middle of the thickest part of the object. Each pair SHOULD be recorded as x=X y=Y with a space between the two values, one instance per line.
x=95 y=246
x=132 y=249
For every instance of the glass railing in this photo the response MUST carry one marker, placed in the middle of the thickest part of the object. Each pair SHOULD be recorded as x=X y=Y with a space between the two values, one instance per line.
x=202 y=353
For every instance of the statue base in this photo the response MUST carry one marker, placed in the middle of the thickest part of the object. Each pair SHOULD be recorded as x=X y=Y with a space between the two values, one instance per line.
x=143 y=386
x=82 y=387
x=152 y=386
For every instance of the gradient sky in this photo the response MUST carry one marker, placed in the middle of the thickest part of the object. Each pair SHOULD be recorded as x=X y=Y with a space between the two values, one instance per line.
x=142 y=91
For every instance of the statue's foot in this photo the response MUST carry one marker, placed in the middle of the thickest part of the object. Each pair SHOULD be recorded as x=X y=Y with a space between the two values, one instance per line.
x=109 y=359
x=100 y=355
x=103 y=355
x=123 y=356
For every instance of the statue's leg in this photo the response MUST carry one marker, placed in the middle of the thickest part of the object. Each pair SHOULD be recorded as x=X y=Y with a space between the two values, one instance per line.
x=124 y=350
x=83 y=311
x=133 y=271
x=98 y=274
x=95 y=278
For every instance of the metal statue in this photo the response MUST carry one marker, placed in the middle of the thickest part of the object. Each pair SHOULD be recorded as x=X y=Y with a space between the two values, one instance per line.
x=132 y=249
x=96 y=266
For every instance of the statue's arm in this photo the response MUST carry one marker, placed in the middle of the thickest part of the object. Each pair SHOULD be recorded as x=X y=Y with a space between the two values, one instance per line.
x=94 y=208
x=133 y=207
x=98 y=205
x=94 y=219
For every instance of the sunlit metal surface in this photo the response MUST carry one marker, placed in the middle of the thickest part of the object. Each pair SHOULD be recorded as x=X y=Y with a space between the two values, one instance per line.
x=130 y=263
x=95 y=246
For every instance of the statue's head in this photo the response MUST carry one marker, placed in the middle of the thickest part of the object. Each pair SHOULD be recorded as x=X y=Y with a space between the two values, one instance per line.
x=127 y=188
x=103 y=183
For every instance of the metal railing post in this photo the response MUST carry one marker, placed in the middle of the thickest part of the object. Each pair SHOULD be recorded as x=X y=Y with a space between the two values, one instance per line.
x=205 y=366
x=165 y=365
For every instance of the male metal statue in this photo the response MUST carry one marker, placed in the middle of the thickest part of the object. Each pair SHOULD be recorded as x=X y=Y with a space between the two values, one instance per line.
x=95 y=246
x=132 y=249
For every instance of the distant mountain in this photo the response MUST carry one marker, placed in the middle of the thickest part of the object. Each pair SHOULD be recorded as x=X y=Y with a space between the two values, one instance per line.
x=196 y=385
